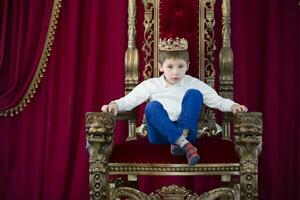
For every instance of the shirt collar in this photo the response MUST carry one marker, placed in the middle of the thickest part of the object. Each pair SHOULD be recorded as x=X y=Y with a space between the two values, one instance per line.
x=165 y=84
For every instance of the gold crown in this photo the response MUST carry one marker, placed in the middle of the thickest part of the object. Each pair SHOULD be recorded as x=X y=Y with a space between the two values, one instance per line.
x=178 y=44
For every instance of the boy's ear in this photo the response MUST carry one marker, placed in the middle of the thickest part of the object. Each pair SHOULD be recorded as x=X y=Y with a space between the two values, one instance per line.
x=188 y=65
x=160 y=67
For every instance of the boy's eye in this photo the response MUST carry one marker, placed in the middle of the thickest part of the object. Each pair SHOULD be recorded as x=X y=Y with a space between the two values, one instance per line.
x=180 y=66
x=170 y=66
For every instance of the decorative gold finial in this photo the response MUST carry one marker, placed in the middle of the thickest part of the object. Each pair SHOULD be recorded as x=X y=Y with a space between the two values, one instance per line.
x=178 y=44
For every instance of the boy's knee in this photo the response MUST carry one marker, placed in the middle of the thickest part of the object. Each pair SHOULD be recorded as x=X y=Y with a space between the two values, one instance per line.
x=151 y=106
x=196 y=94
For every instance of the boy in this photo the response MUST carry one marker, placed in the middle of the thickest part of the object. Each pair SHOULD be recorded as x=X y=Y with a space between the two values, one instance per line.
x=175 y=101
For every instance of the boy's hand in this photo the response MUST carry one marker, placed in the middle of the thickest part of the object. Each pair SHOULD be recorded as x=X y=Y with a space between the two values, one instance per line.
x=238 y=108
x=112 y=108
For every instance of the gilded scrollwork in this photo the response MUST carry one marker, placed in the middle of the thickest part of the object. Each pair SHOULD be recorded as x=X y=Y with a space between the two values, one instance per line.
x=99 y=129
x=210 y=42
x=148 y=38
x=248 y=138
x=208 y=126
x=207 y=46
x=132 y=194
x=173 y=192
x=142 y=130
x=226 y=193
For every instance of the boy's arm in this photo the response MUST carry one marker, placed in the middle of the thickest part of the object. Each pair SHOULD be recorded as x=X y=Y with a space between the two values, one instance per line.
x=137 y=96
x=213 y=100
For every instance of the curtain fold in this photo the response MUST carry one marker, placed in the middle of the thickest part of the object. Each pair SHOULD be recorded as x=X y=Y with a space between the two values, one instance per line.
x=42 y=150
x=25 y=48
x=266 y=69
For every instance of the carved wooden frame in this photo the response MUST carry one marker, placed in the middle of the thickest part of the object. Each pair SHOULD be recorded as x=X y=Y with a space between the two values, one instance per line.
x=100 y=141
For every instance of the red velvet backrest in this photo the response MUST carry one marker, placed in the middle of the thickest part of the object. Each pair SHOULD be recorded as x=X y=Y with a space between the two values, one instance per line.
x=179 y=18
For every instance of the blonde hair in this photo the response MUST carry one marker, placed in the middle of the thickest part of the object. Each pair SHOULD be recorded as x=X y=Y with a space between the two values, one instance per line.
x=163 y=55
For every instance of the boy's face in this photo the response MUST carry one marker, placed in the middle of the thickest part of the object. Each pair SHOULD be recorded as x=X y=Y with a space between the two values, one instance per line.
x=173 y=69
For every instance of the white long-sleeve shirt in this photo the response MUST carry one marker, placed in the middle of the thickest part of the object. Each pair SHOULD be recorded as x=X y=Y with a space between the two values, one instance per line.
x=171 y=96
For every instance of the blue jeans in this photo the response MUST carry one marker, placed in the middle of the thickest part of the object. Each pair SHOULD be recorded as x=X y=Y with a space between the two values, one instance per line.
x=161 y=130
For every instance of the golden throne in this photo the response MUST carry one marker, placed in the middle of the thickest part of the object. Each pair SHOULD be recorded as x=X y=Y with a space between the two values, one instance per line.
x=231 y=156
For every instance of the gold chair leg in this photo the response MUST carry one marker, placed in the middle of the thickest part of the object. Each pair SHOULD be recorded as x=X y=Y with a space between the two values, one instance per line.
x=99 y=129
x=248 y=144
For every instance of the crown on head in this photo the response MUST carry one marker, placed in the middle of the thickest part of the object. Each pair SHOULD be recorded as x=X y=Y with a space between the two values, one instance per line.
x=178 y=44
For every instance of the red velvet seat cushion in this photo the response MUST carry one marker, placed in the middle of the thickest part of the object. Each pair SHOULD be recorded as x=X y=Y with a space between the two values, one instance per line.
x=211 y=150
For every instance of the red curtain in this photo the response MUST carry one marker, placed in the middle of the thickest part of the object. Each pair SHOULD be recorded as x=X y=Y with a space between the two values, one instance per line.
x=23 y=29
x=266 y=44
x=42 y=150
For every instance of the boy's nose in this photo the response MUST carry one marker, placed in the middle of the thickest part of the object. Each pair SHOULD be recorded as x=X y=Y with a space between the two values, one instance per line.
x=175 y=71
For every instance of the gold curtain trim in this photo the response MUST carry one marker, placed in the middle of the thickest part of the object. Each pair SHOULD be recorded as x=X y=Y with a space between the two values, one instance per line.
x=34 y=85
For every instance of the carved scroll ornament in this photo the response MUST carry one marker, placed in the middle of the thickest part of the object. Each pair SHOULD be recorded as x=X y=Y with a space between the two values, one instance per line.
x=248 y=138
x=99 y=128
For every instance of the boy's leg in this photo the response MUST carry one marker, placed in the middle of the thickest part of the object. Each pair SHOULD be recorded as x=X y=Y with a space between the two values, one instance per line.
x=160 y=128
x=154 y=136
x=188 y=119
x=190 y=112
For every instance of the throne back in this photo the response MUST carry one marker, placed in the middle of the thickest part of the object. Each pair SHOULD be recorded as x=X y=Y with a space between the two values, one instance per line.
x=222 y=153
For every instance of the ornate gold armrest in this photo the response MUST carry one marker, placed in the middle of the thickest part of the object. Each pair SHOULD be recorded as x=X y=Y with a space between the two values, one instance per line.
x=128 y=115
x=100 y=140
x=248 y=144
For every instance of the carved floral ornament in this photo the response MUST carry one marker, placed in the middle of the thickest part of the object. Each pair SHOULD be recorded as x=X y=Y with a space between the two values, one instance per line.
x=173 y=192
